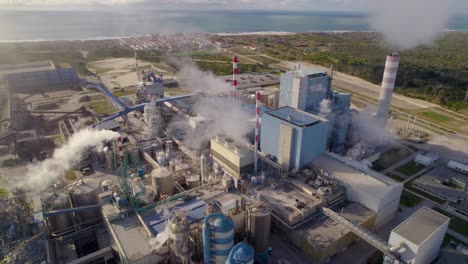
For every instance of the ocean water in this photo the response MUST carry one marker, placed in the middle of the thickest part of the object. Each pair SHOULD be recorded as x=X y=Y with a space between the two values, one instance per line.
x=72 y=25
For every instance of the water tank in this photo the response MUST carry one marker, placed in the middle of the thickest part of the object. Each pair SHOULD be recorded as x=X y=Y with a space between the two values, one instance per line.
x=106 y=185
x=241 y=253
x=85 y=193
x=259 y=222
x=218 y=238
x=61 y=222
x=162 y=181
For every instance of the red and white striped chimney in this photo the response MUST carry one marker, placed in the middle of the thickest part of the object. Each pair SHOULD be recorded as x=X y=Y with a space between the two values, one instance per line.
x=388 y=83
x=234 y=77
x=120 y=148
x=257 y=125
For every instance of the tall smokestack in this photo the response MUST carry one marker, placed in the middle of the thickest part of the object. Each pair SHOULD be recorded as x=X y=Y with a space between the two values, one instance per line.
x=388 y=83
x=120 y=148
x=136 y=63
x=257 y=124
x=234 y=77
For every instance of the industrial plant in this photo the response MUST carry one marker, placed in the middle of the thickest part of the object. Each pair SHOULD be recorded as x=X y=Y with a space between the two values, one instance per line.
x=211 y=176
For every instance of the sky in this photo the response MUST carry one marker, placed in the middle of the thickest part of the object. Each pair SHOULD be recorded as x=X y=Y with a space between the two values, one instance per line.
x=459 y=6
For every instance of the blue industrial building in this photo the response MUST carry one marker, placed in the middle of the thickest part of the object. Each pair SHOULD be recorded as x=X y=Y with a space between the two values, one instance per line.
x=294 y=137
x=310 y=90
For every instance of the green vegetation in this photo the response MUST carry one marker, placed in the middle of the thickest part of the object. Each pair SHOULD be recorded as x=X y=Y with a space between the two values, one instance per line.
x=448 y=238
x=435 y=73
x=4 y=192
x=409 y=186
x=456 y=224
x=410 y=168
x=123 y=93
x=241 y=50
x=435 y=116
x=409 y=200
x=70 y=175
x=264 y=59
x=395 y=177
x=226 y=68
x=102 y=107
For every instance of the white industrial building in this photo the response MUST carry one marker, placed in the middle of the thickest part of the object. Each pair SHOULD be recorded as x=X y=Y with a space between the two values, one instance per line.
x=419 y=237
x=234 y=159
x=373 y=190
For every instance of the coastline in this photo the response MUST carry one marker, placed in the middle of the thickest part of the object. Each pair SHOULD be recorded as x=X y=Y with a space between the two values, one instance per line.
x=221 y=34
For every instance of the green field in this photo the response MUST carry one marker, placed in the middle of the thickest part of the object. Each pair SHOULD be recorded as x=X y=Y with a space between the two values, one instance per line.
x=456 y=224
x=436 y=117
x=4 y=192
x=102 y=107
x=123 y=93
x=410 y=168
x=409 y=200
x=395 y=177
x=264 y=59
x=392 y=156
x=70 y=175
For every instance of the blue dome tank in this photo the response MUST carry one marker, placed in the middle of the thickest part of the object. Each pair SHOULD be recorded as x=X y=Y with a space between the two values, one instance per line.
x=223 y=225
x=218 y=238
x=241 y=254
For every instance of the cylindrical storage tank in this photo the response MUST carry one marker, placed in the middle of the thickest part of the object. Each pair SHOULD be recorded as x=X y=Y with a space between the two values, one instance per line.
x=106 y=185
x=218 y=238
x=162 y=181
x=241 y=253
x=61 y=222
x=259 y=223
x=180 y=231
x=84 y=193
x=192 y=181
x=109 y=160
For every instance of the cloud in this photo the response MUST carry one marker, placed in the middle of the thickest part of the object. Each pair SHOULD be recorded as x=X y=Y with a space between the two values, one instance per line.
x=406 y=24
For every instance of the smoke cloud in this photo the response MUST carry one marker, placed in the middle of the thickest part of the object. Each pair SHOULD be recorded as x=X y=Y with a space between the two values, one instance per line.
x=225 y=115
x=407 y=24
x=39 y=176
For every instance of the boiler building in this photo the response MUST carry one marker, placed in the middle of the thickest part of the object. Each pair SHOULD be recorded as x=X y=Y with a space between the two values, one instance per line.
x=310 y=90
x=293 y=137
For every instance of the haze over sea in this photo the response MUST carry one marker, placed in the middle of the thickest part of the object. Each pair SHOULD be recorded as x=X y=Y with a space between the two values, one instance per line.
x=74 y=25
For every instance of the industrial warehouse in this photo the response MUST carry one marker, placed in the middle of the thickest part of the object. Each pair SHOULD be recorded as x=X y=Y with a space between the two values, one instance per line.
x=212 y=176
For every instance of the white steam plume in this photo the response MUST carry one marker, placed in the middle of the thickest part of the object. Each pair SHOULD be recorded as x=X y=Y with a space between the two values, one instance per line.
x=39 y=176
x=406 y=24
x=226 y=116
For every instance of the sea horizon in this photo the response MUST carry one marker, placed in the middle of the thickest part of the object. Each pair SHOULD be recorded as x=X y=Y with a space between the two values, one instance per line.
x=72 y=25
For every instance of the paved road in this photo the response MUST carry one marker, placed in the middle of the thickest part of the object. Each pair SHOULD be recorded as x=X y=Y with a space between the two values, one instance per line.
x=457 y=235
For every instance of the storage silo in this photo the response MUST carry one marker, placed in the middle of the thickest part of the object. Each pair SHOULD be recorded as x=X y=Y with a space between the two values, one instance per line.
x=60 y=222
x=241 y=253
x=179 y=239
x=162 y=181
x=258 y=225
x=84 y=193
x=218 y=238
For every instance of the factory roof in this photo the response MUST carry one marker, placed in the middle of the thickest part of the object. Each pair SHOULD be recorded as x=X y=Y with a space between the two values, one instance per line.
x=283 y=200
x=246 y=80
x=41 y=79
x=375 y=185
x=309 y=71
x=295 y=117
x=325 y=231
x=421 y=225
